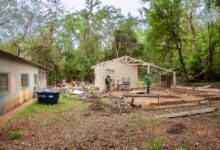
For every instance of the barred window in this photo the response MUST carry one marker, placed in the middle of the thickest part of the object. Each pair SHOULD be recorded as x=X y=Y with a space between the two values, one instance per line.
x=35 y=79
x=4 y=83
x=24 y=80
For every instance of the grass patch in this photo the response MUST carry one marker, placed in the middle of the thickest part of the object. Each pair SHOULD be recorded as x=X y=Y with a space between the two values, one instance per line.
x=185 y=145
x=129 y=128
x=215 y=117
x=14 y=135
x=218 y=117
x=37 y=110
x=106 y=100
x=139 y=119
x=156 y=143
x=63 y=104
x=144 y=121
x=50 y=121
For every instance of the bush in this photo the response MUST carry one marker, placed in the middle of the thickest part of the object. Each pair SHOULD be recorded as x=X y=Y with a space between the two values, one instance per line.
x=15 y=135
x=156 y=144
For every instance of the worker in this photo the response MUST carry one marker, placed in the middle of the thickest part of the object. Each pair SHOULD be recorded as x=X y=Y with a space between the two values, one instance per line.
x=147 y=81
x=107 y=83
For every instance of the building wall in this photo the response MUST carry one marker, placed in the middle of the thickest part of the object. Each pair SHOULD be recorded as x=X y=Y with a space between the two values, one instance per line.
x=117 y=70
x=17 y=94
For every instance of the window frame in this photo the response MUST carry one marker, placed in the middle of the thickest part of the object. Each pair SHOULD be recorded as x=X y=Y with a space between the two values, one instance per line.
x=28 y=80
x=8 y=83
x=36 y=80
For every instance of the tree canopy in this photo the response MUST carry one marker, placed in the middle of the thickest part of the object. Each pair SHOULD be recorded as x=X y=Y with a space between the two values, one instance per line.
x=183 y=35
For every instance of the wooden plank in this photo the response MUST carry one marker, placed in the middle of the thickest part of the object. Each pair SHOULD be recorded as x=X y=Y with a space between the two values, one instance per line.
x=187 y=113
x=151 y=95
x=161 y=68
x=179 y=102
x=134 y=64
x=178 y=105
x=189 y=104
x=213 y=98
x=139 y=95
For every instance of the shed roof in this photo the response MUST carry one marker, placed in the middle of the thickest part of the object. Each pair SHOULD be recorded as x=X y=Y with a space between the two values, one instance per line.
x=14 y=57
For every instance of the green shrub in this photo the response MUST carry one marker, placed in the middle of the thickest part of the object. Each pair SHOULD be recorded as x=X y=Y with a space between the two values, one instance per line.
x=156 y=144
x=15 y=135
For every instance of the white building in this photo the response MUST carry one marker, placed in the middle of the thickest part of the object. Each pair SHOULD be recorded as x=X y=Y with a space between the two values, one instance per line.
x=18 y=80
x=123 y=69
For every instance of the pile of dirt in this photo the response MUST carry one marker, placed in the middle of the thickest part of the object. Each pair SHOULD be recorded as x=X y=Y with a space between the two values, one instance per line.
x=177 y=128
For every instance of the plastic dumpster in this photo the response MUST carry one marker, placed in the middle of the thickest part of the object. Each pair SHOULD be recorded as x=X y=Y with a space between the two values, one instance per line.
x=48 y=96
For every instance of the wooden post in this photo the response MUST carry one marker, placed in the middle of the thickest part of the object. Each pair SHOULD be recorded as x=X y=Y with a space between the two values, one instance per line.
x=148 y=69
x=174 y=79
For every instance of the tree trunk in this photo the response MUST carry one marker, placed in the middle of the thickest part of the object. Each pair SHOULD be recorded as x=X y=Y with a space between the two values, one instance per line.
x=210 y=52
x=193 y=31
x=179 y=48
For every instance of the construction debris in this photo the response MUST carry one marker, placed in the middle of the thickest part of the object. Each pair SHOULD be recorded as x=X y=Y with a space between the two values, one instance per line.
x=134 y=105
x=78 y=91
x=187 y=113
x=91 y=94
x=122 y=104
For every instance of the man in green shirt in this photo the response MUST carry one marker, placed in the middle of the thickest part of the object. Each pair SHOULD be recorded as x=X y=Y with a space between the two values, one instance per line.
x=147 y=81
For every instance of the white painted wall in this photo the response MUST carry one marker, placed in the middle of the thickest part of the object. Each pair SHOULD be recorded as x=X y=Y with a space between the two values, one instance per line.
x=122 y=70
x=18 y=94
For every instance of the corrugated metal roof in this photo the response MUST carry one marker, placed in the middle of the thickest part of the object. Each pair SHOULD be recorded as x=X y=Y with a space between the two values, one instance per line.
x=4 y=53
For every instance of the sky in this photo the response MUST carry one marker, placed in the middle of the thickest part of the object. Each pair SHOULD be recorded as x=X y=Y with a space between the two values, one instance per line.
x=126 y=6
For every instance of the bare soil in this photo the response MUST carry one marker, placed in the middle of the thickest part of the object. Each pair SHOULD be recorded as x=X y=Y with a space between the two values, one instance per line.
x=97 y=125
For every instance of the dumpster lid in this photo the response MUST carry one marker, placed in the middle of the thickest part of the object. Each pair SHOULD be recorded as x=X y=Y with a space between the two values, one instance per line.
x=48 y=91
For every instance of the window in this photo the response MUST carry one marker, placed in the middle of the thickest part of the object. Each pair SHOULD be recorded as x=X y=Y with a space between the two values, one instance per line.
x=24 y=80
x=35 y=79
x=4 y=82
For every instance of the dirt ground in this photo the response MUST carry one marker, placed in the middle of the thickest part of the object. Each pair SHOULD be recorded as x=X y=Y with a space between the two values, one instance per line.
x=96 y=124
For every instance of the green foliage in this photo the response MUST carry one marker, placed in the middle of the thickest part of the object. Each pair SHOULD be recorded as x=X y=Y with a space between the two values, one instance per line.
x=139 y=119
x=36 y=110
x=125 y=40
x=15 y=135
x=182 y=35
x=63 y=104
x=106 y=100
x=156 y=143
x=185 y=145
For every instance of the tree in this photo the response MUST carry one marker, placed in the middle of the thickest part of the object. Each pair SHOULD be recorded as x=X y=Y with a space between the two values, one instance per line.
x=87 y=34
x=165 y=32
x=125 y=40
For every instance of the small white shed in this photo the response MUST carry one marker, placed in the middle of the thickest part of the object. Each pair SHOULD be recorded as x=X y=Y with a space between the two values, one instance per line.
x=122 y=69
